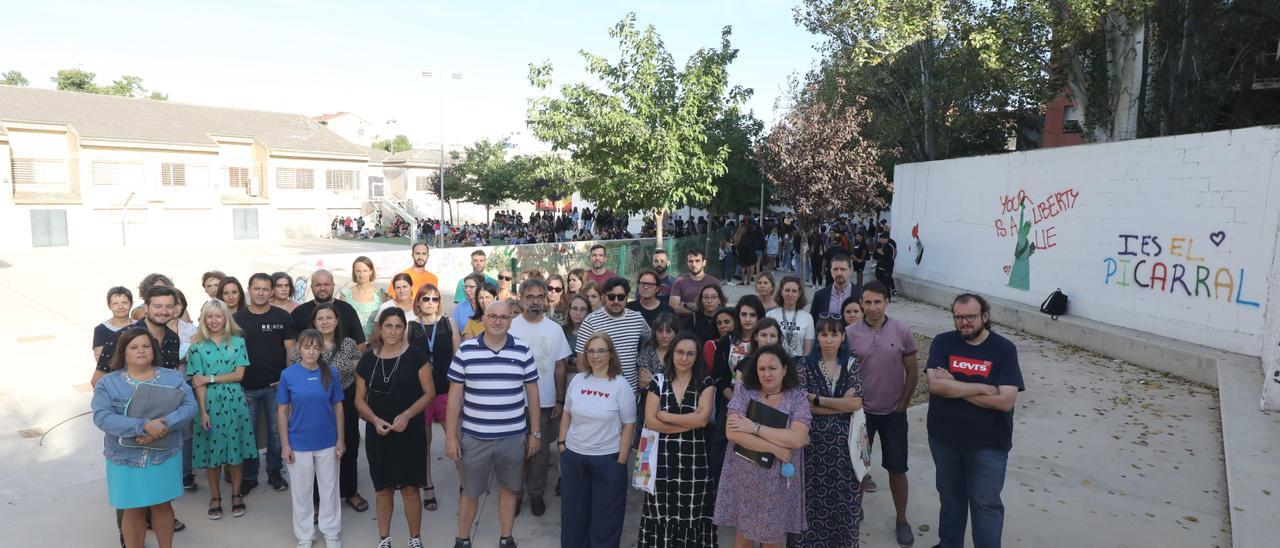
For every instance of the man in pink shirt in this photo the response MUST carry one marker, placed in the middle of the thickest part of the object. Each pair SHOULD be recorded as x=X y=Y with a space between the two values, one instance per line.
x=598 y=273
x=887 y=352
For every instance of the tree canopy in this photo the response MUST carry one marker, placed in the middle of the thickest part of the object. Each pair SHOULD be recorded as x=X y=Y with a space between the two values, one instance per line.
x=83 y=81
x=13 y=78
x=399 y=143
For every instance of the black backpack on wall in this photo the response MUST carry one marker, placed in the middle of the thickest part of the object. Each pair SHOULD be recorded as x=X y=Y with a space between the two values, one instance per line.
x=1055 y=304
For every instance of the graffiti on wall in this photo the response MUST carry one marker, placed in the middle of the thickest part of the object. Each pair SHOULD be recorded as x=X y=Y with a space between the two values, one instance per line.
x=1174 y=265
x=1033 y=229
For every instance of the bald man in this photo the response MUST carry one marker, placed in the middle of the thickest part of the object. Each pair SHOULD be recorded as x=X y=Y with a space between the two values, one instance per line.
x=322 y=289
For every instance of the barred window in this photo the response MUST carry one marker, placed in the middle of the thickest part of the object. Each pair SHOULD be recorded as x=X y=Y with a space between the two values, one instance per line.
x=173 y=174
x=293 y=178
x=340 y=179
x=238 y=177
x=32 y=171
x=118 y=173
x=427 y=182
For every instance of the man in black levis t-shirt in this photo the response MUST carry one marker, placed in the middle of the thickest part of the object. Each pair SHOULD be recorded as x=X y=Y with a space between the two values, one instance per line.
x=974 y=380
x=268 y=337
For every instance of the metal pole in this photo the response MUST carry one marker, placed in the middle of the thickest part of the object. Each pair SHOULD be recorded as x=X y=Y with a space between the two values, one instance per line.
x=762 y=202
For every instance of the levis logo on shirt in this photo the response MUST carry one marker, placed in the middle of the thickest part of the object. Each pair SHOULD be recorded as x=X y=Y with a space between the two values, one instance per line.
x=597 y=393
x=970 y=366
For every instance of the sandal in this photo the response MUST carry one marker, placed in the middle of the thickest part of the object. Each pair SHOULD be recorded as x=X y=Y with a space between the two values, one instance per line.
x=430 y=503
x=360 y=506
x=237 y=508
x=215 y=508
x=178 y=525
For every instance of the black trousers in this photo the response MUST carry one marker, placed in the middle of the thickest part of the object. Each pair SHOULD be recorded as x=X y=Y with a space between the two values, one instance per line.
x=885 y=275
x=347 y=478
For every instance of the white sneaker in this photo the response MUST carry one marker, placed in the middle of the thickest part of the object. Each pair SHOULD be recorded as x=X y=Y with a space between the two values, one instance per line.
x=385 y=543
x=332 y=542
x=304 y=544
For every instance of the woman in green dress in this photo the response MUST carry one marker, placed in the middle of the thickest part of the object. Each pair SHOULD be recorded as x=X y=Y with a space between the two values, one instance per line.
x=363 y=296
x=224 y=433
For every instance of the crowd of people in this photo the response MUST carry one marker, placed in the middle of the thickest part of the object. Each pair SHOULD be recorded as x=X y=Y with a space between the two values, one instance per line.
x=507 y=225
x=747 y=406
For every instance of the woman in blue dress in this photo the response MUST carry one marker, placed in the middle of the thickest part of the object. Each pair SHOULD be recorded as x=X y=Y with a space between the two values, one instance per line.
x=144 y=457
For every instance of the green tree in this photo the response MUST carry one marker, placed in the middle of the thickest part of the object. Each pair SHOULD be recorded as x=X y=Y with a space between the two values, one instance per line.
x=643 y=136
x=399 y=143
x=75 y=80
x=83 y=81
x=738 y=189
x=14 y=78
x=483 y=175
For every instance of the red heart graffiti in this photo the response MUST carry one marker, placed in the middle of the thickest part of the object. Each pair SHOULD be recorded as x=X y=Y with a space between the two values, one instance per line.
x=1007 y=268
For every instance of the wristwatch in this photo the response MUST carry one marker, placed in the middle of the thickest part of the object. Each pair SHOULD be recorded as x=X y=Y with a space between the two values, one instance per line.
x=757 y=432
x=213 y=379
x=535 y=435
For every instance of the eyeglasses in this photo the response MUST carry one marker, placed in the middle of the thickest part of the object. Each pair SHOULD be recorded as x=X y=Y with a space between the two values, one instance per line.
x=646 y=284
x=555 y=289
x=535 y=297
x=597 y=351
x=830 y=316
x=615 y=297
x=504 y=278
x=429 y=299
x=966 y=318
x=497 y=317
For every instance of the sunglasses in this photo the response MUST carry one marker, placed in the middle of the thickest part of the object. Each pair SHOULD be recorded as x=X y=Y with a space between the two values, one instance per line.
x=616 y=297
x=504 y=278
x=555 y=289
x=429 y=299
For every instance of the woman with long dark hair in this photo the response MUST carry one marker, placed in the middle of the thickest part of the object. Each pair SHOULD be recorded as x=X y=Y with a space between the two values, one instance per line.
x=731 y=351
x=342 y=353
x=710 y=299
x=310 y=415
x=486 y=293
x=282 y=291
x=231 y=293
x=557 y=299
x=439 y=337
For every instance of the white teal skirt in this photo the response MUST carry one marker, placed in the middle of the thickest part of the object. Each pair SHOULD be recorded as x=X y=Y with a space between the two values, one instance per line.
x=139 y=487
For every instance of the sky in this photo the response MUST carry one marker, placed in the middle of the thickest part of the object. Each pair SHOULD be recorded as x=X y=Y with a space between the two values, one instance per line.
x=367 y=57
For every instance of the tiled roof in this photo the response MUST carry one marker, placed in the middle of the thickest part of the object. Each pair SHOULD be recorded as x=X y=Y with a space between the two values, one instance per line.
x=125 y=119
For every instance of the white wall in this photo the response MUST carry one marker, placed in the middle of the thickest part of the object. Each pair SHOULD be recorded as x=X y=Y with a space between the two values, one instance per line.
x=1197 y=208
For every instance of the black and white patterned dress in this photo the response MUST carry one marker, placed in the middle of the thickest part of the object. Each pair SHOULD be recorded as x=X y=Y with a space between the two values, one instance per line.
x=675 y=515
x=833 y=497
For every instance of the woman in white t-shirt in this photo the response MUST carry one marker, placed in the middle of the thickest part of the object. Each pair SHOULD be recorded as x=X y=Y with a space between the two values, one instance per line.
x=596 y=430
x=795 y=322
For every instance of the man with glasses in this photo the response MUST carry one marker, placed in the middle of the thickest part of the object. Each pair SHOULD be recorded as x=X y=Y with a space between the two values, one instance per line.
x=626 y=327
x=550 y=348
x=478 y=264
x=660 y=263
x=974 y=380
x=598 y=274
x=887 y=351
x=687 y=288
x=493 y=403
x=418 y=272
x=647 y=302
x=322 y=291
x=827 y=301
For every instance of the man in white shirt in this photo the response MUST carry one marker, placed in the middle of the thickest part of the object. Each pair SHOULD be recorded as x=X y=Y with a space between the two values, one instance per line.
x=550 y=350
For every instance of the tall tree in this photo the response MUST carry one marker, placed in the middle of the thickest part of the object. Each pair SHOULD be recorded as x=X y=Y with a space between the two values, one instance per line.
x=75 y=80
x=822 y=165
x=399 y=143
x=642 y=137
x=483 y=175
x=83 y=81
x=14 y=78
x=738 y=189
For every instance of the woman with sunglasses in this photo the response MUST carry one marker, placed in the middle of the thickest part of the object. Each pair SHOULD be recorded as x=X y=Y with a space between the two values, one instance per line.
x=439 y=337
x=505 y=280
x=557 y=301
x=282 y=291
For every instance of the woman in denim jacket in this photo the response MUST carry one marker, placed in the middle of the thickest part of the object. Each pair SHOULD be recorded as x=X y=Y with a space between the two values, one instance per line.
x=141 y=479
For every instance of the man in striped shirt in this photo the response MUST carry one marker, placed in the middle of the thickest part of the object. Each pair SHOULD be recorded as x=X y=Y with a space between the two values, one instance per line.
x=625 y=326
x=493 y=398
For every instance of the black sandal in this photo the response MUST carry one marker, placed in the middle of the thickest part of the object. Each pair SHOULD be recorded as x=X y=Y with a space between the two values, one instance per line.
x=237 y=508
x=430 y=503
x=178 y=525
x=358 y=506
x=215 y=508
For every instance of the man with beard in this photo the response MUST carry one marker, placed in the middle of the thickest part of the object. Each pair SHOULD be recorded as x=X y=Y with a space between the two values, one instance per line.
x=660 y=264
x=478 y=264
x=598 y=274
x=626 y=327
x=887 y=351
x=974 y=380
x=827 y=301
x=687 y=288
x=546 y=341
x=322 y=289
x=418 y=272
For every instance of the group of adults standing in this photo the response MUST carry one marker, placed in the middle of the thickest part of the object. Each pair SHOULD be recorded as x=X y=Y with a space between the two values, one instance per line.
x=524 y=361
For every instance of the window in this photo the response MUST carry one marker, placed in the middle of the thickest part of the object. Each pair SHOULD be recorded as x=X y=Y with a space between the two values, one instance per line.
x=340 y=179
x=173 y=174
x=31 y=171
x=118 y=173
x=427 y=183
x=238 y=177
x=1071 y=120
x=293 y=178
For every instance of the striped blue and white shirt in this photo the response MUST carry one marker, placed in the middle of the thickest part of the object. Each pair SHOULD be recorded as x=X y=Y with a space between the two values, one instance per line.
x=626 y=330
x=493 y=403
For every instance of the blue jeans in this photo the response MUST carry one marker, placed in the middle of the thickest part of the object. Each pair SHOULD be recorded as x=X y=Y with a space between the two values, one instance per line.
x=263 y=400
x=595 y=488
x=969 y=481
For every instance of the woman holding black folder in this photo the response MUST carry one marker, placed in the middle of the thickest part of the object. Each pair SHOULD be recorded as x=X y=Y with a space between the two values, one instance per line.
x=142 y=408
x=761 y=490
x=833 y=495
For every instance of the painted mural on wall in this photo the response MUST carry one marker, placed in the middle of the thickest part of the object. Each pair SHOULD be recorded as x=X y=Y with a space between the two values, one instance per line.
x=1177 y=265
x=1031 y=234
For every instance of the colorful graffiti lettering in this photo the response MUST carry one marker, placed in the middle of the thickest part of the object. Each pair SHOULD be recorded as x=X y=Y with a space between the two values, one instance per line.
x=1029 y=228
x=1144 y=262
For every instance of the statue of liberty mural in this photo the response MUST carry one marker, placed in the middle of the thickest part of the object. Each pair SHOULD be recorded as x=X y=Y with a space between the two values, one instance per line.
x=1020 y=275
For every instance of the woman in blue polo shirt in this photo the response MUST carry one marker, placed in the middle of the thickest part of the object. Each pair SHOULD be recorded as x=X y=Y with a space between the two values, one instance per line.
x=310 y=415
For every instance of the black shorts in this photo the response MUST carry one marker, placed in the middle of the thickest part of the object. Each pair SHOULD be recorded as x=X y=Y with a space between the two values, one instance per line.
x=893 y=440
x=859 y=266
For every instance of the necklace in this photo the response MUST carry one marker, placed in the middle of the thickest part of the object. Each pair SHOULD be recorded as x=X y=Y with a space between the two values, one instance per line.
x=382 y=366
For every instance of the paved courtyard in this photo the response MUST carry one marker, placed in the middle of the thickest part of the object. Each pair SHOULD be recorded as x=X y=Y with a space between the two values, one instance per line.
x=1105 y=453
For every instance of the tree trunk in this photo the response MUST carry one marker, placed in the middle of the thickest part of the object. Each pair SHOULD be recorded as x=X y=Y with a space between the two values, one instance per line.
x=657 y=215
x=926 y=93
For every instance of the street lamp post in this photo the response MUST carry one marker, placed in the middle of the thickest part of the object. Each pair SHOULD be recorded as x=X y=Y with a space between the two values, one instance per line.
x=443 y=224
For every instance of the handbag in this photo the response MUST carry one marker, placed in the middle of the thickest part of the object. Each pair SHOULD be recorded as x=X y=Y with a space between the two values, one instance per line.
x=644 y=466
x=859 y=444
